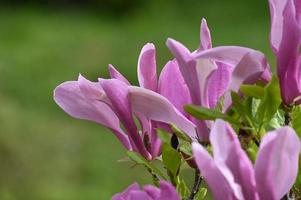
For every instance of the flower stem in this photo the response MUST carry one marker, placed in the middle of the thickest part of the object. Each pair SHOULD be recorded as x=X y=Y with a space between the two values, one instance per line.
x=196 y=186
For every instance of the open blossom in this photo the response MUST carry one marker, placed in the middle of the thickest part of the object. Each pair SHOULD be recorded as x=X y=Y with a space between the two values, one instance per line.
x=285 y=39
x=230 y=174
x=115 y=103
x=166 y=191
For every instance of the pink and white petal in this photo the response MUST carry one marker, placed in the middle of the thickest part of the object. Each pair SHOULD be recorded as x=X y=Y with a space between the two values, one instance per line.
x=217 y=84
x=276 y=166
x=118 y=93
x=168 y=191
x=233 y=161
x=124 y=195
x=218 y=184
x=114 y=73
x=173 y=87
x=288 y=53
x=276 y=9
x=147 y=68
x=205 y=36
x=152 y=191
x=187 y=67
x=226 y=54
x=249 y=69
x=158 y=108
x=92 y=90
x=138 y=195
x=70 y=98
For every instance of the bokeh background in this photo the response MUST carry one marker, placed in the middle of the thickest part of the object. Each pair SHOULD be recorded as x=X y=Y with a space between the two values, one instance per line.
x=44 y=153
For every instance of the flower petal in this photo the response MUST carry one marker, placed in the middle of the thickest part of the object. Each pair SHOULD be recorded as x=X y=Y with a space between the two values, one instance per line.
x=187 y=67
x=125 y=194
x=218 y=184
x=168 y=191
x=233 y=161
x=276 y=166
x=173 y=87
x=147 y=68
x=71 y=99
x=118 y=93
x=114 y=73
x=217 y=84
x=205 y=36
x=158 y=108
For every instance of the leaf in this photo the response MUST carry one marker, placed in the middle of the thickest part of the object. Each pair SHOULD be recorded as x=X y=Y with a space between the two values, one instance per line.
x=180 y=134
x=296 y=120
x=252 y=91
x=201 y=194
x=270 y=102
x=171 y=159
x=183 y=189
x=163 y=135
x=207 y=114
x=186 y=148
x=142 y=161
x=241 y=107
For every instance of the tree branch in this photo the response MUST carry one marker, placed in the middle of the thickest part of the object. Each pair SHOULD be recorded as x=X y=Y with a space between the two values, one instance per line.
x=196 y=186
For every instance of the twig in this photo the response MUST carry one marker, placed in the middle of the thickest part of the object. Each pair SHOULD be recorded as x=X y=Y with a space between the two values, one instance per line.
x=196 y=186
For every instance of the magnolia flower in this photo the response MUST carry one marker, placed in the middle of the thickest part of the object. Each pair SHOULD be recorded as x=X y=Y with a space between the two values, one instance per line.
x=165 y=192
x=115 y=103
x=285 y=39
x=230 y=174
x=211 y=73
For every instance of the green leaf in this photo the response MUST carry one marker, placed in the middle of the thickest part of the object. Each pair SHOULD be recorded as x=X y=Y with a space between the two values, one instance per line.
x=270 y=102
x=201 y=195
x=252 y=91
x=296 y=120
x=207 y=114
x=183 y=189
x=142 y=161
x=186 y=148
x=171 y=159
x=241 y=107
x=180 y=134
x=163 y=135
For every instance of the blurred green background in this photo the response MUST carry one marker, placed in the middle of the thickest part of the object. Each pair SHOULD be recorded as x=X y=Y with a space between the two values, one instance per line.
x=44 y=153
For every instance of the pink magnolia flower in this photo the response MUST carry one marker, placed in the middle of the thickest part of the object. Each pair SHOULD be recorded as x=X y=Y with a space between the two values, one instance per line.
x=115 y=103
x=230 y=174
x=211 y=73
x=165 y=192
x=285 y=39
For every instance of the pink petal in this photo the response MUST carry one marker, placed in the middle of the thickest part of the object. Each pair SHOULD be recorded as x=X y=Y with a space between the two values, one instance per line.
x=276 y=166
x=158 y=108
x=147 y=72
x=218 y=184
x=125 y=194
x=118 y=93
x=205 y=36
x=187 y=67
x=286 y=40
x=114 y=73
x=138 y=195
x=173 y=87
x=233 y=161
x=168 y=191
x=217 y=84
x=73 y=101
x=249 y=69
x=231 y=55
x=190 y=73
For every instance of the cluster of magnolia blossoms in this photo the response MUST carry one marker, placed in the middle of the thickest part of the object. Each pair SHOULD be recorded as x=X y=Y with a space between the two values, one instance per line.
x=234 y=101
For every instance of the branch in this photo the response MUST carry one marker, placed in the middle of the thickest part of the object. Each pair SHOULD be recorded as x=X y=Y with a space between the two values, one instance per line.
x=196 y=186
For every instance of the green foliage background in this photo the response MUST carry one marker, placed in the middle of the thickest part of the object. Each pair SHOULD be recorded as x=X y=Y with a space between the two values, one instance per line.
x=45 y=154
